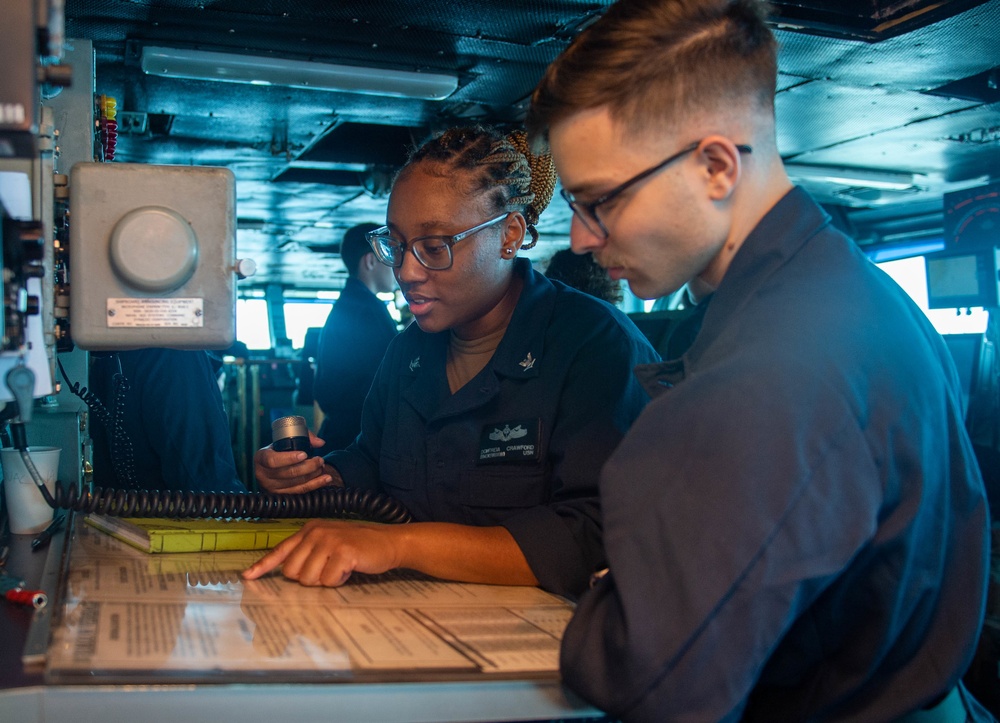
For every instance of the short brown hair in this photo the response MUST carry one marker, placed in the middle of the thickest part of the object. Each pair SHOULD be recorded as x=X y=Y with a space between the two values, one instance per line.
x=651 y=61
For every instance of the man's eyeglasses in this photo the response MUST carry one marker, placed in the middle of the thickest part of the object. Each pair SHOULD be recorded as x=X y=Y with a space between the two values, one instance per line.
x=433 y=252
x=587 y=212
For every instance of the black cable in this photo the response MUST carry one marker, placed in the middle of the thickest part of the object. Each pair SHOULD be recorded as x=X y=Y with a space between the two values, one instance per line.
x=122 y=451
x=335 y=502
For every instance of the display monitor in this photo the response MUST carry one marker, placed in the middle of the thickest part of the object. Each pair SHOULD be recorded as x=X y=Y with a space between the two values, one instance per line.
x=963 y=280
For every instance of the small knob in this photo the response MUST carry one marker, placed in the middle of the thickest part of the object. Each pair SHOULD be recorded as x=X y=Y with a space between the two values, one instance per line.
x=58 y=74
x=245 y=268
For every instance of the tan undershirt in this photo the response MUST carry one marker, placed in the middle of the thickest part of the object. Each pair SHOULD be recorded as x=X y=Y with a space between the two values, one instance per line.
x=466 y=358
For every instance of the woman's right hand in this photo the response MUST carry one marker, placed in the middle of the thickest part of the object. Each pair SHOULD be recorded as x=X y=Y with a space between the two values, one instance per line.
x=293 y=472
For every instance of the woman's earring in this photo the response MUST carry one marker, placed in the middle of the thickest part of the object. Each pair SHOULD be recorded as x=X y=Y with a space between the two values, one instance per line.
x=508 y=252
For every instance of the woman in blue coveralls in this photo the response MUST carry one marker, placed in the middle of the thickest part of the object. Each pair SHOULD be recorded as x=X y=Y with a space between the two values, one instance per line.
x=491 y=416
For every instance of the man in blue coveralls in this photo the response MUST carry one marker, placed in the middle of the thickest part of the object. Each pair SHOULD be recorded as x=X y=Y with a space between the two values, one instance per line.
x=795 y=525
x=353 y=341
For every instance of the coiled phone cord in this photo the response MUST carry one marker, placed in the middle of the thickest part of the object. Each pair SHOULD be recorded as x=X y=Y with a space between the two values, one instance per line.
x=122 y=452
x=334 y=502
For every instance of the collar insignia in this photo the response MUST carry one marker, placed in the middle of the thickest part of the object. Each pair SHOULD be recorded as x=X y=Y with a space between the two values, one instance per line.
x=527 y=362
x=414 y=364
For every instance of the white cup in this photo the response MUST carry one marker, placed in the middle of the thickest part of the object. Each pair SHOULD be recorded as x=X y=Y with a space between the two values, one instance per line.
x=27 y=510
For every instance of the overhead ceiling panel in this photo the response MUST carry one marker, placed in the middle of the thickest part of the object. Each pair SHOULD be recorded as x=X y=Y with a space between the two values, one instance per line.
x=424 y=34
x=958 y=146
x=822 y=114
x=363 y=143
x=866 y=19
x=913 y=61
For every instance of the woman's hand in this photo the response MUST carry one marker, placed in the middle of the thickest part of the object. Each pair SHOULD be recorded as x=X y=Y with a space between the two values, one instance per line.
x=293 y=472
x=326 y=552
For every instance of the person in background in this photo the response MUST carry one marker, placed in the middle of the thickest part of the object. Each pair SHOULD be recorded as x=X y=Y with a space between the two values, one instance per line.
x=491 y=415
x=583 y=273
x=353 y=341
x=159 y=423
x=795 y=525
x=305 y=375
x=305 y=370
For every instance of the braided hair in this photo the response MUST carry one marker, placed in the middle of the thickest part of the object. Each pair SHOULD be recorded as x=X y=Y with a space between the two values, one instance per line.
x=504 y=165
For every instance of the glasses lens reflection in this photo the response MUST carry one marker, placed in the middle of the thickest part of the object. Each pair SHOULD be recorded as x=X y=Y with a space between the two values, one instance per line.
x=433 y=252
x=387 y=250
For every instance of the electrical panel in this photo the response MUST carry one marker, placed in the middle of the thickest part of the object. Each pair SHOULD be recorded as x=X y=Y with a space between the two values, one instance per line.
x=153 y=256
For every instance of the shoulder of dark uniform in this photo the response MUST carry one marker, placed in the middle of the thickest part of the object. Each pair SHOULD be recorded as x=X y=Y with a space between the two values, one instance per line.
x=584 y=315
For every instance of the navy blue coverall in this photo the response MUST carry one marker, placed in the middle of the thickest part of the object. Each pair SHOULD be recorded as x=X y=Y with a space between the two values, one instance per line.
x=521 y=444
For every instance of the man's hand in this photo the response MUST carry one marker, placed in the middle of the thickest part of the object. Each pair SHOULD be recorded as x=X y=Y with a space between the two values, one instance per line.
x=326 y=552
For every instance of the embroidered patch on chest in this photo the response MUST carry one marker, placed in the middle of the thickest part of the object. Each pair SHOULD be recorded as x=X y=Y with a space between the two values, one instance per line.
x=513 y=441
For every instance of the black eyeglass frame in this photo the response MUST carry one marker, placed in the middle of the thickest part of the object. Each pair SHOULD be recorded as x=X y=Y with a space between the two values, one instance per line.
x=412 y=245
x=587 y=212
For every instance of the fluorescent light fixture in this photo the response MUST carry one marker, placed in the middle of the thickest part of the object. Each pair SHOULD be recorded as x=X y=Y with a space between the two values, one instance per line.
x=256 y=70
x=906 y=250
x=854 y=177
x=329 y=166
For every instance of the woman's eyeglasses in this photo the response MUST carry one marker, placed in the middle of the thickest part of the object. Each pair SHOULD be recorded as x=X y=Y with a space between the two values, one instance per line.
x=433 y=252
